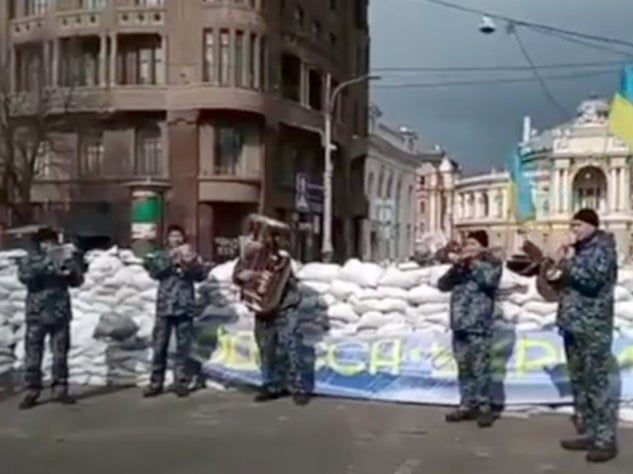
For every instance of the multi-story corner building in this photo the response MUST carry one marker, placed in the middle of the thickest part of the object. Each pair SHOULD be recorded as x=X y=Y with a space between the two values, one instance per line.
x=215 y=104
x=393 y=159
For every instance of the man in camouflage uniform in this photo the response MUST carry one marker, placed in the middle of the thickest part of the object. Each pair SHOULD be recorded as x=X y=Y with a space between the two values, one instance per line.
x=588 y=276
x=48 y=313
x=473 y=279
x=175 y=309
x=278 y=339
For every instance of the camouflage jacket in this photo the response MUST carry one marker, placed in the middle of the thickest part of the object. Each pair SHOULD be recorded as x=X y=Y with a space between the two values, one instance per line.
x=176 y=290
x=474 y=289
x=291 y=297
x=47 y=297
x=588 y=283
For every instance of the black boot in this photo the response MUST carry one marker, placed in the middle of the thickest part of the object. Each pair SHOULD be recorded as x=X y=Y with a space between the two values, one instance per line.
x=486 y=418
x=181 y=390
x=29 y=401
x=301 y=399
x=269 y=394
x=576 y=444
x=61 y=395
x=461 y=414
x=152 y=391
x=602 y=455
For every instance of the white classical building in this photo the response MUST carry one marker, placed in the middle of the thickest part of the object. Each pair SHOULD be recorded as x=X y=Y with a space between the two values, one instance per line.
x=576 y=164
x=390 y=185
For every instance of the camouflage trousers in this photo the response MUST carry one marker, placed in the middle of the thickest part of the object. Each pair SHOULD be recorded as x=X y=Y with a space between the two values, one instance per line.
x=281 y=358
x=590 y=364
x=59 y=340
x=163 y=328
x=473 y=354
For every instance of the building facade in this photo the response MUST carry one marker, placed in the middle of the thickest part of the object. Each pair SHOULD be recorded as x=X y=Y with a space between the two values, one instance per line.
x=217 y=105
x=390 y=178
x=435 y=194
x=574 y=165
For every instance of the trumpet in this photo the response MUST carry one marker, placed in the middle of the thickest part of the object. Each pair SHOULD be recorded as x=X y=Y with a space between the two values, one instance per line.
x=184 y=255
x=553 y=270
x=458 y=255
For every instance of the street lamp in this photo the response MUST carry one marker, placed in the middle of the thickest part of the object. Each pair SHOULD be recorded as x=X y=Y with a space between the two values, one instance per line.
x=331 y=96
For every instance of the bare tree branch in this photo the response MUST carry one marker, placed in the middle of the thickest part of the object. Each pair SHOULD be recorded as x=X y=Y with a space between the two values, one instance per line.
x=31 y=113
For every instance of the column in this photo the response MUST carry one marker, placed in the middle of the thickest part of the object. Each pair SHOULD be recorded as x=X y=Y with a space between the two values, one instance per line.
x=55 y=66
x=565 y=190
x=48 y=77
x=555 y=192
x=612 y=185
x=621 y=190
x=103 y=60
x=478 y=207
x=492 y=203
x=505 y=203
x=113 y=59
x=432 y=210
x=256 y=61
x=162 y=71
x=625 y=187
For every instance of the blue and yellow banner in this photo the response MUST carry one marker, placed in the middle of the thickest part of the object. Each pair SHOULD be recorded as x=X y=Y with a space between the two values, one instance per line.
x=419 y=367
x=522 y=206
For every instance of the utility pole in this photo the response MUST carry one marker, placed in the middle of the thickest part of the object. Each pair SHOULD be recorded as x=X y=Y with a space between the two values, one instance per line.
x=331 y=96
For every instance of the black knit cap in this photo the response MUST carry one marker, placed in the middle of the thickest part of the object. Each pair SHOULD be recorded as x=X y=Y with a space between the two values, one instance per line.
x=588 y=216
x=46 y=234
x=480 y=236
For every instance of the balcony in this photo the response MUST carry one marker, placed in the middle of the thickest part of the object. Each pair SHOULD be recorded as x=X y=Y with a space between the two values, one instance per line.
x=132 y=15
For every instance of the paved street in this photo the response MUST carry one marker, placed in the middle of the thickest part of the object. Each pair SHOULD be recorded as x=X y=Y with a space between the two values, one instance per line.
x=226 y=433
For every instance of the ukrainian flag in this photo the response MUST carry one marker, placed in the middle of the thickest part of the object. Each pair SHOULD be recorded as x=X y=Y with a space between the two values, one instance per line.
x=621 y=114
x=521 y=201
x=621 y=119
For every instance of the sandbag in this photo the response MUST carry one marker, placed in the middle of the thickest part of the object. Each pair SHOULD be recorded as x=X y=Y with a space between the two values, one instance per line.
x=325 y=272
x=426 y=294
x=394 y=277
x=363 y=274
x=115 y=326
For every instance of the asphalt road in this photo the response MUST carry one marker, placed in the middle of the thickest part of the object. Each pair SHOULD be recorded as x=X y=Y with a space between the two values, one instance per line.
x=211 y=432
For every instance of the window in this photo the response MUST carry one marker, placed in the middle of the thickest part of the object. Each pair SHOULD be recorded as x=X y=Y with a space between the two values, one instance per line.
x=229 y=146
x=92 y=4
x=315 y=89
x=252 y=61
x=263 y=64
x=316 y=29
x=225 y=57
x=333 y=5
x=79 y=62
x=290 y=77
x=299 y=16
x=333 y=39
x=239 y=58
x=43 y=161
x=209 y=74
x=37 y=7
x=29 y=67
x=91 y=154
x=140 y=59
x=148 y=158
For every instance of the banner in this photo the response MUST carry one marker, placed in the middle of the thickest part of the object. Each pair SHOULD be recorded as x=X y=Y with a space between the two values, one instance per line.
x=419 y=368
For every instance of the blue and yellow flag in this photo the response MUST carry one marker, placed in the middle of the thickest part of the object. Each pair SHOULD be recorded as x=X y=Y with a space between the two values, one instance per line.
x=621 y=119
x=521 y=200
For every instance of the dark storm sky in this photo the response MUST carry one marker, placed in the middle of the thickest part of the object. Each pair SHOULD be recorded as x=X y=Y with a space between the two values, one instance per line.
x=480 y=124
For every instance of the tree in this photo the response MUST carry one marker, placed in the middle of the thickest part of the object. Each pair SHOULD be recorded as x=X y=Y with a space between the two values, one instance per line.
x=31 y=112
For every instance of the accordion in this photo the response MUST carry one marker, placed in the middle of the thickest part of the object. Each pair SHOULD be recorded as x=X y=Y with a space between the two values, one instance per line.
x=272 y=268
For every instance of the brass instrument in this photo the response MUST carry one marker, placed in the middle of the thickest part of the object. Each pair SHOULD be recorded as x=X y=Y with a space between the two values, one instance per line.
x=61 y=255
x=270 y=266
x=535 y=263
x=484 y=254
x=184 y=256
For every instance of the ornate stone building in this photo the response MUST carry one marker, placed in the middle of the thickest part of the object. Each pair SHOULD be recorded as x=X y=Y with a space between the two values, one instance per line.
x=393 y=158
x=576 y=164
x=217 y=103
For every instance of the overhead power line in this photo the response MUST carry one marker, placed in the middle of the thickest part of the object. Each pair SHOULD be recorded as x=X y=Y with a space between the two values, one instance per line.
x=579 y=65
x=537 y=74
x=533 y=25
x=500 y=81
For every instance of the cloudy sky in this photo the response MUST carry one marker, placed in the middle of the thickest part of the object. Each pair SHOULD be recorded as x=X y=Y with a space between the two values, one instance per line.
x=480 y=124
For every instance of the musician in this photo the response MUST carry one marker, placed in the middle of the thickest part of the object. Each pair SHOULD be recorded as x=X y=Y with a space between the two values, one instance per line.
x=587 y=274
x=473 y=279
x=176 y=268
x=48 y=313
x=278 y=338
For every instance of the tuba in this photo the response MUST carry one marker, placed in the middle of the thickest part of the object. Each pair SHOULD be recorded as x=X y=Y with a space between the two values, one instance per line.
x=263 y=293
